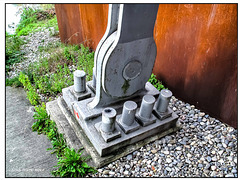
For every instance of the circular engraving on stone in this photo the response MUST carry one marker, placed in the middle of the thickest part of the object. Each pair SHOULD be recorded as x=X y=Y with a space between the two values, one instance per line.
x=132 y=70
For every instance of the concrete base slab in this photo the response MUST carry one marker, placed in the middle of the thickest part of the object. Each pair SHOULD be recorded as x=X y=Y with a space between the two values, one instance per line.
x=64 y=127
x=97 y=160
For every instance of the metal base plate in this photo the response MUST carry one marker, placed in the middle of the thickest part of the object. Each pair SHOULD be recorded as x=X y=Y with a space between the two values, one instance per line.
x=144 y=121
x=86 y=113
x=80 y=96
x=163 y=115
x=127 y=129
x=107 y=136
x=89 y=119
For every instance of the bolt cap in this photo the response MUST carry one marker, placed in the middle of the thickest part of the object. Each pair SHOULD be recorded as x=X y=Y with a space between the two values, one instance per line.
x=79 y=73
x=130 y=105
x=166 y=93
x=109 y=112
x=149 y=99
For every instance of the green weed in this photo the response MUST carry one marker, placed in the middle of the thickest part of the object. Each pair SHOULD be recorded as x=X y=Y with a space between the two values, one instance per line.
x=28 y=16
x=41 y=125
x=67 y=54
x=14 y=82
x=13 y=53
x=24 y=80
x=59 y=144
x=156 y=83
x=72 y=164
x=52 y=25
x=32 y=95
x=52 y=74
x=33 y=20
x=85 y=61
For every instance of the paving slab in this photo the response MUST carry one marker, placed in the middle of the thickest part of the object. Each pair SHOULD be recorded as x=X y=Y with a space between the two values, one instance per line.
x=26 y=151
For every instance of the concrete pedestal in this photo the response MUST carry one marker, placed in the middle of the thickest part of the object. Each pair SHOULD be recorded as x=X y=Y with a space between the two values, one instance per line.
x=87 y=121
x=76 y=137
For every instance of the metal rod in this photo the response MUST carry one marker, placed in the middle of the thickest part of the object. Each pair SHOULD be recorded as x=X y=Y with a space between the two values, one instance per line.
x=147 y=106
x=163 y=100
x=129 y=111
x=108 y=120
x=79 y=81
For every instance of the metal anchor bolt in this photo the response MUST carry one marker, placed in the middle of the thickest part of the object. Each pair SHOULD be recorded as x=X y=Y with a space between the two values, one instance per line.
x=146 y=106
x=163 y=100
x=79 y=81
x=129 y=111
x=108 y=120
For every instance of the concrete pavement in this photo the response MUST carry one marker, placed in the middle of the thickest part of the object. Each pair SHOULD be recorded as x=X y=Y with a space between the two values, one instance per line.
x=26 y=154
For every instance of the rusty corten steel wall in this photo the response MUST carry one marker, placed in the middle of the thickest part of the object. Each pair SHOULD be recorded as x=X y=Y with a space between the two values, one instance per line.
x=82 y=23
x=197 y=55
x=196 y=49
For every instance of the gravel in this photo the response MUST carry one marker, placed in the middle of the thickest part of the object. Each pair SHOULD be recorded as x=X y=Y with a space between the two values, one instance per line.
x=203 y=147
x=31 y=49
x=32 y=54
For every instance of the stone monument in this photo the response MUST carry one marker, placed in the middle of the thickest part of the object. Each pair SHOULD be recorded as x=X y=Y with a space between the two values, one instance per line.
x=119 y=107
